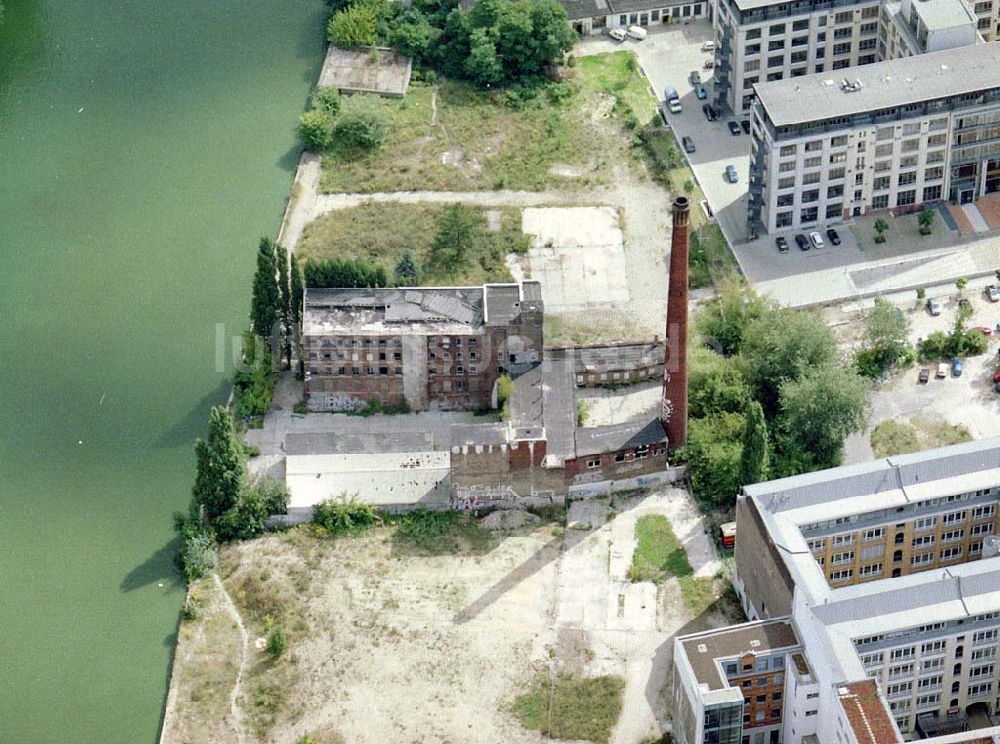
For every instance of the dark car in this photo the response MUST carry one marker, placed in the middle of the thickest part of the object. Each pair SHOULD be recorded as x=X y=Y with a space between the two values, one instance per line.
x=694 y=77
x=731 y=174
x=688 y=144
x=833 y=236
x=782 y=244
x=734 y=128
x=699 y=91
x=709 y=112
x=924 y=376
x=746 y=125
x=802 y=241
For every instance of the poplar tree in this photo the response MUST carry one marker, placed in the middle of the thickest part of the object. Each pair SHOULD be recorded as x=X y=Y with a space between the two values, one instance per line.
x=297 y=289
x=285 y=304
x=754 y=459
x=221 y=471
x=266 y=298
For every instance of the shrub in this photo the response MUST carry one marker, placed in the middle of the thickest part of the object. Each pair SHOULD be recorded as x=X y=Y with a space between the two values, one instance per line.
x=316 y=129
x=276 y=641
x=344 y=515
x=274 y=493
x=363 y=124
x=326 y=98
x=197 y=557
x=353 y=26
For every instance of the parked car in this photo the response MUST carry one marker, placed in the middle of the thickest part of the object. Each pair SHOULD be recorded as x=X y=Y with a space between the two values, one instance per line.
x=933 y=306
x=833 y=236
x=670 y=93
x=688 y=144
x=637 y=32
x=618 y=34
x=731 y=174
x=746 y=125
x=996 y=376
x=782 y=244
x=992 y=293
x=694 y=77
x=734 y=128
x=985 y=330
x=709 y=112
x=942 y=370
x=817 y=239
x=708 y=46
x=924 y=376
x=802 y=242
x=674 y=104
x=709 y=64
x=956 y=367
x=699 y=92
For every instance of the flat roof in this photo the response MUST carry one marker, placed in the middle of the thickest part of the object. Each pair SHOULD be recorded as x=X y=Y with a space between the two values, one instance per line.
x=359 y=70
x=594 y=440
x=704 y=650
x=867 y=713
x=382 y=479
x=925 y=77
x=938 y=15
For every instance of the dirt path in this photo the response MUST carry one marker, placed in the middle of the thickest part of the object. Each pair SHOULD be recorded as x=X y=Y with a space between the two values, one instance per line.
x=235 y=712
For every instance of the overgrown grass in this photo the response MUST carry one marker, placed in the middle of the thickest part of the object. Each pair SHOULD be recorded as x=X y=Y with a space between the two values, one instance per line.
x=453 y=137
x=439 y=533
x=658 y=553
x=571 y=707
x=900 y=436
x=710 y=260
x=382 y=233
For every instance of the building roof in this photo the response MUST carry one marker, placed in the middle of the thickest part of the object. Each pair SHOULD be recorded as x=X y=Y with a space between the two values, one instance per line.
x=387 y=479
x=355 y=70
x=478 y=434
x=901 y=478
x=618 y=356
x=576 y=9
x=390 y=311
x=867 y=713
x=331 y=443
x=926 y=77
x=559 y=407
x=704 y=650
x=595 y=440
x=939 y=15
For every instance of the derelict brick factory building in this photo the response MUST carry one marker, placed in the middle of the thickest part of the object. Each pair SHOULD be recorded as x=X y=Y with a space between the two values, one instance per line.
x=674 y=413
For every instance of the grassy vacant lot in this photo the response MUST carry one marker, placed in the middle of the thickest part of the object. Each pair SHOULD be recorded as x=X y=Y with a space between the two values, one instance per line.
x=899 y=436
x=571 y=707
x=453 y=137
x=658 y=553
x=382 y=232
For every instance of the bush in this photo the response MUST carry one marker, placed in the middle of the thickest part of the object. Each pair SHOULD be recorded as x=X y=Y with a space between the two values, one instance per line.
x=353 y=26
x=345 y=515
x=276 y=641
x=274 y=494
x=363 y=124
x=316 y=129
x=326 y=98
x=197 y=557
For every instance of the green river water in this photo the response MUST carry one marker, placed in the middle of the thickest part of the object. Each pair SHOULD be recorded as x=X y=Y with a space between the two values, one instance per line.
x=144 y=148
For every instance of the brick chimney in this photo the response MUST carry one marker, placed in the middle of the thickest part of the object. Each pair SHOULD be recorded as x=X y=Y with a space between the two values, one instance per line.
x=674 y=406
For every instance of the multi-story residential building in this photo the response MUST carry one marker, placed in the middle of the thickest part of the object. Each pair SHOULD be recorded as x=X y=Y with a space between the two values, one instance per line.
x=913 y=27
x=892 y=135
x=762 y=41
x=874 y=588
x=431 y=346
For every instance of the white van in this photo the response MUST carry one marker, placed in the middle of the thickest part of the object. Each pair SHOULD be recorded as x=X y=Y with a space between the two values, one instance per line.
x=618 y=34
x=708 y=46
x=637 y=32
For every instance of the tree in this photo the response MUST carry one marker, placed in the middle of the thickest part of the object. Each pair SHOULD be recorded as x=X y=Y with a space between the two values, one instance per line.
x=353 y=26
x=820 y=409
x=316 y=130
x=458 y=230
x=326 y=98
x=754 y=458
x=297 y=289
x=266 y=298
x=885 y=338
x=715 y=384
x=363 y=124
x=925 y=219
x=221 y=470
x=285 y=306
x=781 y=346
x=414 y=35
x=723 y=322
x=253 y=382
x=406 y=269
x=960 y=284
x=245 y=520
x=880 y=227
x=714 y=450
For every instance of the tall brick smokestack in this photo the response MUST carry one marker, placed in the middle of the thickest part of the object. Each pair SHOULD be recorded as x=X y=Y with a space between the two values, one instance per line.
x=674 y=410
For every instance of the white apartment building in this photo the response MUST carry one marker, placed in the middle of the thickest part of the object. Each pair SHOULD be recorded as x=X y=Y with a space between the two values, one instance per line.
x=764 y=41
x=913 y=27
x=837 y=653
x=892 y=135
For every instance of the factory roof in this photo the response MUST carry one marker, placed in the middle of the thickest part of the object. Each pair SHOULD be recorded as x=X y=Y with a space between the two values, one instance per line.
x=883 y=85
x=616 y=437
x=331 y=443
x=618 y=356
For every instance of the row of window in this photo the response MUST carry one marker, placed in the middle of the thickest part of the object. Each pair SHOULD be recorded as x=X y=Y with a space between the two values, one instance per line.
x=640 y=453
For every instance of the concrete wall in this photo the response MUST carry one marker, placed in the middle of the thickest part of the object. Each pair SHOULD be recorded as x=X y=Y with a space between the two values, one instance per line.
x=761 y=578
x=607 y=487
